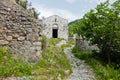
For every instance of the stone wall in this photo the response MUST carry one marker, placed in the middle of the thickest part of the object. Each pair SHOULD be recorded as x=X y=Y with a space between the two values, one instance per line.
x=19 y=32
x=8 y=2
x=55 y=22
x=84 y=45
x=80 y=44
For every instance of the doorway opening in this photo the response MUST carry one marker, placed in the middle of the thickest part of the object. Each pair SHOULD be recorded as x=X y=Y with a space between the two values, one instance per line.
x=55 y=33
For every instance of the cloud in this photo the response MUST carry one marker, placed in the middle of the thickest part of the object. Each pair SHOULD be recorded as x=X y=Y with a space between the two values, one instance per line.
x=95 y=1
x=101 y=1
x=46 y=12
x=71 y=1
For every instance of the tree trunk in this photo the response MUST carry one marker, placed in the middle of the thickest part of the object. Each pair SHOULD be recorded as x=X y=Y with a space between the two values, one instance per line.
x=106 y=51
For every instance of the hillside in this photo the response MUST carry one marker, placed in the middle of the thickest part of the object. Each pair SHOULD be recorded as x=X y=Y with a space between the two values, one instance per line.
x=73 y=27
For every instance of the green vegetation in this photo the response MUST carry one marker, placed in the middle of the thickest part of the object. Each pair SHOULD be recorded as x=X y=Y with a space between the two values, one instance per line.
x=35 y=13
x=12 y=67
x=54 y=41
x=74 y=27
x=68 y=44
x=53 y=64
x=102 y=71
x=22 y=4
x=25 y=6
x=101 y=27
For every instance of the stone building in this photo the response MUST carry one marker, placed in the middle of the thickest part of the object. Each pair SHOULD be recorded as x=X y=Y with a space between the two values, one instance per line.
x=55 y=27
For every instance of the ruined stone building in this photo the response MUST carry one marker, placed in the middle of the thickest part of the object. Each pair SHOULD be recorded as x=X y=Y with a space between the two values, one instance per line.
x=19 y=32
x=55 y=27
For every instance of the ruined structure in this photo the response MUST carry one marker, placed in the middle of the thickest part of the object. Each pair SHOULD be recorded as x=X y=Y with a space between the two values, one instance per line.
x=55 y=27
x=19 y=32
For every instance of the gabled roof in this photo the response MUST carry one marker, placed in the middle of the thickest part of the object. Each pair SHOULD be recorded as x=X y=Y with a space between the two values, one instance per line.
x=56 y=16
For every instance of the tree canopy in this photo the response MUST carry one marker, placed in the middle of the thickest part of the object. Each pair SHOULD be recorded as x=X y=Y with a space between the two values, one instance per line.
x=101 y=26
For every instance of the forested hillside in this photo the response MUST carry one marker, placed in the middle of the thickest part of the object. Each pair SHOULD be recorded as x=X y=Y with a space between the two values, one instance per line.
x=74 y=27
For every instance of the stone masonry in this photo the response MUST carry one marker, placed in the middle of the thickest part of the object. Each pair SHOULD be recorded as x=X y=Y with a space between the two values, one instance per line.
x=55 y=26
x=19 y=32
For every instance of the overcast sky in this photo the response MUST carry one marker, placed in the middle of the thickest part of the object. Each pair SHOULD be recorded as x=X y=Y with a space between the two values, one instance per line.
x=68 y=9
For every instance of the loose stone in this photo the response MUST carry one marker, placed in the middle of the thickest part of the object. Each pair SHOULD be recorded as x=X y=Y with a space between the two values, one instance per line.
x=21 y=38
x=3 y=42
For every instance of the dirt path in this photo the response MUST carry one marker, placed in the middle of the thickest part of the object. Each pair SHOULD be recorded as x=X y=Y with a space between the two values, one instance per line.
x=80 y=70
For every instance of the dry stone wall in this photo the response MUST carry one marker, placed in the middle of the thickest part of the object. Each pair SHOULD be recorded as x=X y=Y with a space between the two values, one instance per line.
x=84 y=45
x=19 y=32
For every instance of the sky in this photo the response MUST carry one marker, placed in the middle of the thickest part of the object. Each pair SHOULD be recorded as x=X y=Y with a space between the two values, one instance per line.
x=68 y=9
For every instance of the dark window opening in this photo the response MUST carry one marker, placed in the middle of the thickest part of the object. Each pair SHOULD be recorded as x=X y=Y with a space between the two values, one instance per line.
x=55 y=33
x=55 y=20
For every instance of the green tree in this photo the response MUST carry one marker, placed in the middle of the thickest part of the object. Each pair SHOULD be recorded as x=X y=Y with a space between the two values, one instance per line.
x=74 y=27
x=35 y=13
x=101 y=27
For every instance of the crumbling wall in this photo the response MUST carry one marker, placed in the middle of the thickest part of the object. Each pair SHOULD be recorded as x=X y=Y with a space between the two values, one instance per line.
x=19 y=32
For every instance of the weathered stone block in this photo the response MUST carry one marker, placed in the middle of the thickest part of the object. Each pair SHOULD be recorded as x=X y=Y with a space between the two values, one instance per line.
x=21 y=38
x=15 y=35
x=38 y=54
x=38 y=48
x=3 y=42
x=32 y=37
x=9 y=38
x=37 y=43
x=1 y=30
x=28 y=43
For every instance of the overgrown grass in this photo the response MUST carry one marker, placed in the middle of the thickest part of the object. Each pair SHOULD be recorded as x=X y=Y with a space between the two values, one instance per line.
x=52 y=66
x=68 y=44
x=54 y=62
x=102 y=70
x=12 y=67
x=54 y=41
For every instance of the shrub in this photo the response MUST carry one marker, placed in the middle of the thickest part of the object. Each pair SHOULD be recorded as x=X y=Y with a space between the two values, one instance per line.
x=74 y=50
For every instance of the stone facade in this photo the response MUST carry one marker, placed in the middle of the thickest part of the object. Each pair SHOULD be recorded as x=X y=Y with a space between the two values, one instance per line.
x=55 y=26
x=19 y=32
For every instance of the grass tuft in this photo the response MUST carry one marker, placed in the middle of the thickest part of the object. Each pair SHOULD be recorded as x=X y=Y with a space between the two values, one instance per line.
x=12 y=67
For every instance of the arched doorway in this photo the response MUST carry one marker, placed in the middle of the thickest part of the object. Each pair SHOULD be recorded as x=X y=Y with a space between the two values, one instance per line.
x=55 y=31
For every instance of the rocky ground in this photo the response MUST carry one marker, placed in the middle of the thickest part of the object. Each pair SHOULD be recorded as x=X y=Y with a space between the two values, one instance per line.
x=80 y=70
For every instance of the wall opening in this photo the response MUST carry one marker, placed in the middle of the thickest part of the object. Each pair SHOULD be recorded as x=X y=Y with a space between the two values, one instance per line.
x=55 y=33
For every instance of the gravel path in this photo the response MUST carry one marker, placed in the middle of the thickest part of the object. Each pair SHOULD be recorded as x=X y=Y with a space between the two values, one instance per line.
x=80 y=70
